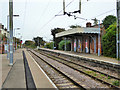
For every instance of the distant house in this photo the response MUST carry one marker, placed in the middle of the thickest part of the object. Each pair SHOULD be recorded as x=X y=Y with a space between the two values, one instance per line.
x=84 y=39
x=3 y=38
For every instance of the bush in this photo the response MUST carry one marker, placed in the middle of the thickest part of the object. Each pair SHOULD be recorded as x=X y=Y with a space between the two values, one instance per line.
x=31 y=46
x=109 y=41
x=49 y=45
x=62 y=45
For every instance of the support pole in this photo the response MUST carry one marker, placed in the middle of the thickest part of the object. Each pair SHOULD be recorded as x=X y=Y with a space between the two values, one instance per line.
x=16 y=44
x=95 y=44
x=8 y=36
x=80 y=6
x=64 y=7
x=118 y=29
x=65 y=44
x=11 y=30
x=99 y=39
x=71 y=44
x=14 y=40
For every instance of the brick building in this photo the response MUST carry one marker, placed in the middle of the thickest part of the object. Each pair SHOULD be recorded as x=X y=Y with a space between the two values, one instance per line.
x=84 y=39
x=3 y=38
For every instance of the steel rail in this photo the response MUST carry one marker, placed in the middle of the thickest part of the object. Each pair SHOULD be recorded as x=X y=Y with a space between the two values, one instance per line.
x=102 y=81
x=61 y=72
x=85 y=67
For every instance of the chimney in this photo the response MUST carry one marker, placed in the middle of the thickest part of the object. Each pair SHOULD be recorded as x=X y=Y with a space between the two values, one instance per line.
x=88 y=24
x=2 y=26
x=5 y=29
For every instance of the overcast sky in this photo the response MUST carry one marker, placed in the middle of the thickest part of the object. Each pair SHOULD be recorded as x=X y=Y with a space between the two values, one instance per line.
x=37 y=17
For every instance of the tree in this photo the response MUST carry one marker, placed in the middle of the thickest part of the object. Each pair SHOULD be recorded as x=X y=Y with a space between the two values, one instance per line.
x=75 y=26
x=109 y=20
x=109 y=41
x=62 y=45
x=38 y=41
x=54 y=32
x=29 y=44
x=49 y=45
x=95 y=21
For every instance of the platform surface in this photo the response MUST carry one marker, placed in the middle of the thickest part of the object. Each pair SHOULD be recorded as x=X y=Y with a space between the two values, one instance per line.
x=14 y=77
x=84 y=55
x=16 y=74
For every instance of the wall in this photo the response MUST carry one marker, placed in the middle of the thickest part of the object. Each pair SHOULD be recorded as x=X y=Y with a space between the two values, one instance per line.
x=87 y=43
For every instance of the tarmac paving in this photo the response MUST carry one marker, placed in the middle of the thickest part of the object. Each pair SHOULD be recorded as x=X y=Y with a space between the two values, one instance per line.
x=15 y=75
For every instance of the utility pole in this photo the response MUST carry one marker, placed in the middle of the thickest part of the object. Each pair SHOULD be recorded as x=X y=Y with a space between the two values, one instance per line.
x=11 y=30
x=63 y=6
x=99 y=39
x=118 y=29
x=8 y=35
x=80 y=6
x=38 y=42
x=65 y=44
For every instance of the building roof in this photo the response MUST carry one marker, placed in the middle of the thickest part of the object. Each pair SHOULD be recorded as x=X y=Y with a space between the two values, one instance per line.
x=87 y=30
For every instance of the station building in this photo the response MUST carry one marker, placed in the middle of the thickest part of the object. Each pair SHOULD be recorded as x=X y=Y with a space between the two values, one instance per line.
x=84 y=39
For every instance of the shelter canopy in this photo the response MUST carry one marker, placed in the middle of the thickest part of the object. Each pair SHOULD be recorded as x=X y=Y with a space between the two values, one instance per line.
x=78 y=31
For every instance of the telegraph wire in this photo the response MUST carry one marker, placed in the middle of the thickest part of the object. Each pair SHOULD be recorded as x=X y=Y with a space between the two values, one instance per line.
x=98 y=15
x=103 y=13
x=43 y=12
x=55 y=16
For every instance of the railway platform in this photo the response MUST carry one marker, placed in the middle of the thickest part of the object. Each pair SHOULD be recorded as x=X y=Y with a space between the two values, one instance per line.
x=15 y=76
x=85 y=56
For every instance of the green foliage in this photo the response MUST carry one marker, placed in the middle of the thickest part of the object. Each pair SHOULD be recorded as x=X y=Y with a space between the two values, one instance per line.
x=109 y=41
x=109 y=77
x=75 y=26
x=49 y=45
x=109 y=20
x=116 y=83
x=3 y=37
x=29 y=44
x=38 y=41
x=55 y=31
x=62 y=44
x=95 y=21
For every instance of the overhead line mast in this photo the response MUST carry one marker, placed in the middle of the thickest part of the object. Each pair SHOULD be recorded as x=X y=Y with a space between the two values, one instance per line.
x=69 y=13
x=80 y=6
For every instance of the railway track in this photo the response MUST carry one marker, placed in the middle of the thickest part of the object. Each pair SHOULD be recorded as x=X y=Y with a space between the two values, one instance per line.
x=60 y=78
x=100 y=76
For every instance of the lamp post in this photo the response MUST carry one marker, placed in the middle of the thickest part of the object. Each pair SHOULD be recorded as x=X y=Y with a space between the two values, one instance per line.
x=16 y=40
x=8 y=35
x=98 y=37
x=14 y=36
